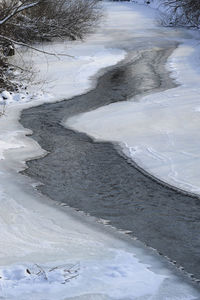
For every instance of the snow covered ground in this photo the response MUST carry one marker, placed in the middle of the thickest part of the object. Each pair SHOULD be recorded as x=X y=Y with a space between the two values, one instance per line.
x=51 y=253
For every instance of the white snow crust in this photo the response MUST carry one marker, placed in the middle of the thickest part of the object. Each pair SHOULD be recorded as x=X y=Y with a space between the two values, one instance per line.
x=48 y=251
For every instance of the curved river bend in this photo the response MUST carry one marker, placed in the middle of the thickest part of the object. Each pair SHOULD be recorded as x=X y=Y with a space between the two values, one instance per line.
x=93 y=176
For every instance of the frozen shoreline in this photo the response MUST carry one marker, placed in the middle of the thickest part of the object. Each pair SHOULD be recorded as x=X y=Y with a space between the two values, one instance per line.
x=158 y=131
x=34 y=231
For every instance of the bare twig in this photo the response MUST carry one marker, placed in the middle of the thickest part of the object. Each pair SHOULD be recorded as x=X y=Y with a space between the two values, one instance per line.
x=33 y=48
x=17 y=10
x=42 y=272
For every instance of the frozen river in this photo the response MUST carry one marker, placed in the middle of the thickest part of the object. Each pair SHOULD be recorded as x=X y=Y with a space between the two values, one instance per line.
x=49 y=251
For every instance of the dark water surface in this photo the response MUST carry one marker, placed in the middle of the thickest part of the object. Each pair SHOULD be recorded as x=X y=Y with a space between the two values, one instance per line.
x=93 y=177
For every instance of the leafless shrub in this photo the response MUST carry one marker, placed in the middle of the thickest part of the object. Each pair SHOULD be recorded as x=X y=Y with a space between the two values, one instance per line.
x=70 y=18
x=47 y=20
x=28 y=21
x=183 y=13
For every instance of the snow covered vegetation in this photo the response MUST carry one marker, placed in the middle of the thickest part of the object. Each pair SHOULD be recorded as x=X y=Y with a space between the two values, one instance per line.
x=177 y=12
x=27 y=21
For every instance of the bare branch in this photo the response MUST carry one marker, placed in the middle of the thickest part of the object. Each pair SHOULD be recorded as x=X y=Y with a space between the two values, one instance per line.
x=33 y=48
x=18 y=10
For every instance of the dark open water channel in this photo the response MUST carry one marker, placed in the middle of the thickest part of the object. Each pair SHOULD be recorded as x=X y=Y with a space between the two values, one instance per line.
x=93 y=176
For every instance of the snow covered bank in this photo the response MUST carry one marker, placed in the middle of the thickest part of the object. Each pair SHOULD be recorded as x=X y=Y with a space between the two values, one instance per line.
x=35 y=231
x=155 y=4
x=178 y=13
x=159 y=5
